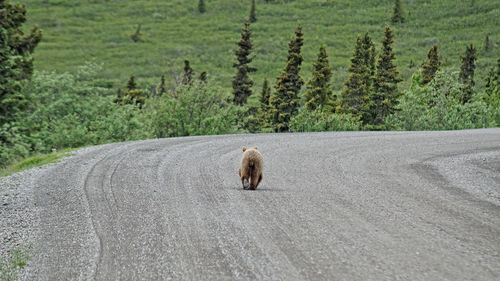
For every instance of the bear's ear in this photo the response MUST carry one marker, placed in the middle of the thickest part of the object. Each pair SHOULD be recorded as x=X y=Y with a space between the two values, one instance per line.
x=244 y=149
x=255 y=147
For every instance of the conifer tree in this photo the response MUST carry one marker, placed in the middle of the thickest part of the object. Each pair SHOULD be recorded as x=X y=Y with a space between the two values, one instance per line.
x=356 y=89
x=487 y=43
x=265 y=96
x=187 y=77
x=12 y=17
x=162 y=88
x=285 y=101
x=431 y=65
x=9 y=74
x=131 y=93
x=397 y=16
x=252 y=17
x=264 y=111
x=318 y=87
x=467 y=73
x=201 y=6
x=493 y=82
x=468 y=65
x=203 y=77
x=386 y=93
x=131 y=85
x=241 y=82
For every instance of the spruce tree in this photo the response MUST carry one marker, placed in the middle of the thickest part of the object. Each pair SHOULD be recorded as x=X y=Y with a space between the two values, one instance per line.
x=285 y=101
x=12 y=17
x=162 y=88
x=187 y=76
x=467 y=73
x=397 y=16
x=265 y=96
x=241 y=82
x=487 y=43
x=131 y=85
x=493 y=82
x=264 y=111
x=356 y=87
x=201 y=6
x=386 y=93
x=9 y=84
x=131 y=93
x=252 y=17
x=431 y=66
x=468 y=65
x=203 y=77
x=318 y=87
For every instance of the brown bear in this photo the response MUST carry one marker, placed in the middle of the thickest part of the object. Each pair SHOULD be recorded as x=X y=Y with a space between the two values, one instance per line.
x=251 y=168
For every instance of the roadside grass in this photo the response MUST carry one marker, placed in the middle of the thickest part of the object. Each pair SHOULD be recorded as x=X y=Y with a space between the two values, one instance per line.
x=34 y=161
x=10 y=266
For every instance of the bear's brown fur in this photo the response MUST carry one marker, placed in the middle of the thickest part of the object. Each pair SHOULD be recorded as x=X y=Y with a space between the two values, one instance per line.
x=251 y=167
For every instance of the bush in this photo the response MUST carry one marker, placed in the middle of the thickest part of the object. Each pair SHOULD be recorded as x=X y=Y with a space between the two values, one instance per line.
x=437 y=106
x=319 y=121
x=196 y=109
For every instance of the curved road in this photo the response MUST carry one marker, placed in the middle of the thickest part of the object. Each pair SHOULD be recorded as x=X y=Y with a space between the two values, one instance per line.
x=332 y=206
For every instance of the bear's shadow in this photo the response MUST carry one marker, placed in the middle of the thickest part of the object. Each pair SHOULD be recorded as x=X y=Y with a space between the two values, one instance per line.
x=259 y=189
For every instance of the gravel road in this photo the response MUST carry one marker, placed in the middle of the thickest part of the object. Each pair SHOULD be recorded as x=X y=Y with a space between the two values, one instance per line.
x=332 y=206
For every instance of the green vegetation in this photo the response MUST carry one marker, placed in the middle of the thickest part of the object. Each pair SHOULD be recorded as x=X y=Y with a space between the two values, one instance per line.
x=397 y=16
x=76 y=32
x=16 y=260
x=285 y=102
x=33 y=161
x=318 y=87
x=431 y=66
x=242 y=84
x=386 y=84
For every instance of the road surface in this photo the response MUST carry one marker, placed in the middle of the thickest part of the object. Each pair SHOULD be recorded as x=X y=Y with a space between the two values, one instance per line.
x=332 y=206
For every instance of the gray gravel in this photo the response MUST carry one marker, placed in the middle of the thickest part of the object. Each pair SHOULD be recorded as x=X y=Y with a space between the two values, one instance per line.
x=341 y=206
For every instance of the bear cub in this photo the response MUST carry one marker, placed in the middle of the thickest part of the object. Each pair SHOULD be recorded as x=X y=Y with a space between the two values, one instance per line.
x=251 y=167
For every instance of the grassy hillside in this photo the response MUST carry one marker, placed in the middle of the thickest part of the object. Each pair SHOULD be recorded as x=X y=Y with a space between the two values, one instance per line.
x=173 y=30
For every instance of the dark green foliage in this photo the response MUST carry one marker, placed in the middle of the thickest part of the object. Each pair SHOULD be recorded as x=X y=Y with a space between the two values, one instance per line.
x=241 y=82
x=386 y=93
x=285 y=101
x=252 y=17
x=265 y=95
x=201 y=6
x=487 y=43
x=203 y=77
x=397 y=15
x=187 y=76
x=131 y=94
x=318 y=87
x=357 y=88
x=12 y=17
x=493 y=82
x=131 y=85
x=162 y=88
x=136 y=36
x=431 y=65
x=9 y=81
x=467 y=72
x=468 y=65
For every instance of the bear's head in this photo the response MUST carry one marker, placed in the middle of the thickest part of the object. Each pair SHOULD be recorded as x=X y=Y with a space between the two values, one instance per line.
x=245 y=149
